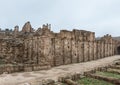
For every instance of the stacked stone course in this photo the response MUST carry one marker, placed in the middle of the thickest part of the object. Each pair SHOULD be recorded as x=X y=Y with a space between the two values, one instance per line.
x=46 y=48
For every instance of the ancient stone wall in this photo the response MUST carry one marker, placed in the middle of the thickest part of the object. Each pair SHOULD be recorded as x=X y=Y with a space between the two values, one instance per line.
x=67 y=47
x=11 y=51
x=43 y=47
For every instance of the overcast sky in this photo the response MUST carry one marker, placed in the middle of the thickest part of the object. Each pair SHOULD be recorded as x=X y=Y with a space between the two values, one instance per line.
x=99 y=16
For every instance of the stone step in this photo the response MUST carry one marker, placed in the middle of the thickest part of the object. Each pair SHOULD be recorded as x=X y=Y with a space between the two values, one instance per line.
x=113 y=70
x=115 y=67
x=108 y=79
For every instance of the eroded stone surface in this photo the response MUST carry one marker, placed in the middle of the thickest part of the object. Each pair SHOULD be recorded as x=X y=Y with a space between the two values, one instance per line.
x=55 y=72
x=34 y=50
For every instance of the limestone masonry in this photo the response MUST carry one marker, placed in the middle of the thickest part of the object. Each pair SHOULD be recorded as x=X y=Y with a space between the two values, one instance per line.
x=28 y=50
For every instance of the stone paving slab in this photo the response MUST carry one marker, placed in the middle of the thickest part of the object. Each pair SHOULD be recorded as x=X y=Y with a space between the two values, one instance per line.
x=54 y=73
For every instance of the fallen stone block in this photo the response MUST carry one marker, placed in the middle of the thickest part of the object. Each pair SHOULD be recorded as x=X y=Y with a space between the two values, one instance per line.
x=70 y=82
x=115 y=67
x=108 y=79
x=113 y=71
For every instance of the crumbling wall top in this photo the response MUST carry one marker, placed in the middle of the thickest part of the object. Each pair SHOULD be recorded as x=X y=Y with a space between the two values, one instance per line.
x=27 y=27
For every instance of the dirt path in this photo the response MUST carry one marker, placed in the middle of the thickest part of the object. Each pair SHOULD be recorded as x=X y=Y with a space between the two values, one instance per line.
x=54 y=73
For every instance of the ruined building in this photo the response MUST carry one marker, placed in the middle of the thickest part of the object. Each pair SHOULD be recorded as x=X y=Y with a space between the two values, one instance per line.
x=28 y=50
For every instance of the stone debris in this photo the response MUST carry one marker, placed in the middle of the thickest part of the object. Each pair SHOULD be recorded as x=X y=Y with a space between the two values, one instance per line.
x=108 y=79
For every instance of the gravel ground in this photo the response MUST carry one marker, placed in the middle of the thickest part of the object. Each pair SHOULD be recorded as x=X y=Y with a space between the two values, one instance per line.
x=31 y=77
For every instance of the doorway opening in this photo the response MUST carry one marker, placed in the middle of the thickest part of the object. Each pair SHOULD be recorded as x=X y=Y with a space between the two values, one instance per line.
x=118 y=50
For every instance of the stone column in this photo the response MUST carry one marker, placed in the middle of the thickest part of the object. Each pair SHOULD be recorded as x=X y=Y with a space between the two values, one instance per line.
x=112 y=49
x=105 y=49
x=53 y=62
x=67 y=51
x=74 y=49
x=108 y=49
x=102 y=49
x=40 y=50
x=81 y=51
x=91 y=48
x=35 y=47
x=86 y=51
x=30 y=50
x=47 y=50
x=26 y=51
x=95 y=50
x=58 y=56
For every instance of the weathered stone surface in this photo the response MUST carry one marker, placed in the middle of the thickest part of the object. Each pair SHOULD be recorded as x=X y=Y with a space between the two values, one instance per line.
x=86 y=51
x=108 y=79
x=70 y=82
x=80 y=51
x=58 y=54
x=27 y=27
x=46 y=48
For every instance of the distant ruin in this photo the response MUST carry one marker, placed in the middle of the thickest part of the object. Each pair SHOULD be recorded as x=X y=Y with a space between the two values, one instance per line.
x=28 y=50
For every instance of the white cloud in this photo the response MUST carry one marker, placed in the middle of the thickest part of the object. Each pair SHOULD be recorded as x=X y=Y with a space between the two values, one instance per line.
x=101 y=16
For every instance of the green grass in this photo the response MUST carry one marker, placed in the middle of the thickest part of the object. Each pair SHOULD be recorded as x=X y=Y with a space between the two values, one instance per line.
x=91 y=81
x=108 y=74
x=1 y=62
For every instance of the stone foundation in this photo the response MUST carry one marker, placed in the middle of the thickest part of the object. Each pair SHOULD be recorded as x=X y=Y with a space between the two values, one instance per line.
x=22 y=68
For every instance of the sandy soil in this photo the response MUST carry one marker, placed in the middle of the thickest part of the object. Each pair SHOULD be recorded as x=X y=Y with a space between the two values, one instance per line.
x=29 y=78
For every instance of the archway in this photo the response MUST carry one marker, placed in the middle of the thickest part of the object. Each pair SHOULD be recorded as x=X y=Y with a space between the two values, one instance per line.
x=118 y=50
